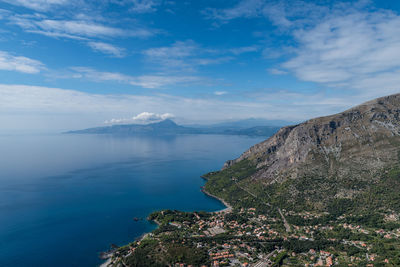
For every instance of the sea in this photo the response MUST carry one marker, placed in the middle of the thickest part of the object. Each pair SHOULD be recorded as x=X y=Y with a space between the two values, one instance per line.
x=66 y=198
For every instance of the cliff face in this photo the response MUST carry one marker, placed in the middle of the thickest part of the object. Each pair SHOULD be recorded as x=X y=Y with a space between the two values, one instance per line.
x=357 y=142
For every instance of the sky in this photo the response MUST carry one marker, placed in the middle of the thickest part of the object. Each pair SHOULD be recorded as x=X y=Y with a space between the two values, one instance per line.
x=71 y=64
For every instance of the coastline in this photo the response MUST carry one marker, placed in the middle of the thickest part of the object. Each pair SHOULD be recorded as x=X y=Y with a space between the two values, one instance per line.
x=106 y=263
x=228 y=208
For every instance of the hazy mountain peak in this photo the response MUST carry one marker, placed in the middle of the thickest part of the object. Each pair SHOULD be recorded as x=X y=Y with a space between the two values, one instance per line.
x=166 y=122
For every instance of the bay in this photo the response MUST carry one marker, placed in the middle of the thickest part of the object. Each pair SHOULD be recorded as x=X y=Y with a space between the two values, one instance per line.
x=66 y=198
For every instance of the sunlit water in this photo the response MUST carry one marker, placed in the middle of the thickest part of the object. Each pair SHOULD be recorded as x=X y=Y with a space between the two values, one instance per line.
x=65 y=198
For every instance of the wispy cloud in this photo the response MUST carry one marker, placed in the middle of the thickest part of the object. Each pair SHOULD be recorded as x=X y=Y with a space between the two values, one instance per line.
x=108 y=49
x=82 y=28
x=142 y=118
x=338 y=45
x=282 y=13
x=136 y=6
x=347 y=49
x=220 y=93
x=145 y=6
x=79 y=20
x=276 y=71
x=245 y=8
x=244 y=49
x=159 y=81
x=174 y=56
x=288 y=14
x=38 y=5
x=145 y=81
x=185 y=56
x=75 y=29
x=19 y=63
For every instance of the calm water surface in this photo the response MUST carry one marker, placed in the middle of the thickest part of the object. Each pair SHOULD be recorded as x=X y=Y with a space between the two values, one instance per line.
x=65 y=198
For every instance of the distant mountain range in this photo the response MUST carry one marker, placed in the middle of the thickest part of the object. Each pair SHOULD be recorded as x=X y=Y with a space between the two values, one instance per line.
x=169 y=127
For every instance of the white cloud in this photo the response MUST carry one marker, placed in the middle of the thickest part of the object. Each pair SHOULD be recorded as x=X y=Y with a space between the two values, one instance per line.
x=244 y=49
x=174 y=56
x=74 y=29
x=144 y=6
x=185 y=56
x=288 y=14
x=95 y=75
x=339 y=45
x=282 y=13
x=378 y=84
x=85 y=109
x=71 y=109
x=108 y=49
x=142 y=118
x=276 y=71
x=19 y=63
x=145 y=81
x=220 y=93
x=178 y=49
x=38 y=5
x=245 y=8
x=159 y=81
x=348 y=50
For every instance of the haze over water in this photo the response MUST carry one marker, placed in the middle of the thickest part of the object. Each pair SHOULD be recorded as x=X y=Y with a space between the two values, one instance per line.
x=65 y=198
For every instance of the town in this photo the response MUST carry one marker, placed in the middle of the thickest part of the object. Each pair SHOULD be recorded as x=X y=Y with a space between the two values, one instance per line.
x=244 y=237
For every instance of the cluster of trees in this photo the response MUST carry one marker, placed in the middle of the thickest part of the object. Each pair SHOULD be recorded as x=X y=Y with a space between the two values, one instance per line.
x=233 y=216
x=387 y=250
x=166 y=216
x=300 y=221
x=144 y=255
x=150 y=253
x=300 y=246
x=186 y=254
x=339 y=206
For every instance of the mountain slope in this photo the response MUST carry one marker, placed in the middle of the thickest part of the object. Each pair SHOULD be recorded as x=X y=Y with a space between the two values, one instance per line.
x=321 y=193
x=323 y=160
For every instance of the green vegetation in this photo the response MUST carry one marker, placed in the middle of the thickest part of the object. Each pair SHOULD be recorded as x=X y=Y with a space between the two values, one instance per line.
x=360 y=230
x=278 y=260
x=186 y=254
x=326 y=192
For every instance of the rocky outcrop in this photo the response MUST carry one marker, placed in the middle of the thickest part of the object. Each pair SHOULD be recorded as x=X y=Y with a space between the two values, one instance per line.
x=358 y=141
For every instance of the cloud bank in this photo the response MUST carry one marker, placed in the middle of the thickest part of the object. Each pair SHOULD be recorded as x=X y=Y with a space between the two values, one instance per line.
x=74 y=110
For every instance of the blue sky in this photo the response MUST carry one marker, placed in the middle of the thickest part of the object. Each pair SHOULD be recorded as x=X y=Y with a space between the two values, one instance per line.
x=67 y=64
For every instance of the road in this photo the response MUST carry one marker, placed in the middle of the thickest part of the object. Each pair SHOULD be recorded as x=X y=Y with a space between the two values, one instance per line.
x=287 y=226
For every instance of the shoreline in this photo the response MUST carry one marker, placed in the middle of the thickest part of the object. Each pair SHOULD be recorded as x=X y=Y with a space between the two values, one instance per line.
x=106 y=263
x=228 y=208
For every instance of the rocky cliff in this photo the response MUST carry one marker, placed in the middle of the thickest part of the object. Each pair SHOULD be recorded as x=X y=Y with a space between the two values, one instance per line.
x=356 y=144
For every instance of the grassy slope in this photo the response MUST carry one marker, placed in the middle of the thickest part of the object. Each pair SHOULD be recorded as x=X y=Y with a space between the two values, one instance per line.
x=313 y=192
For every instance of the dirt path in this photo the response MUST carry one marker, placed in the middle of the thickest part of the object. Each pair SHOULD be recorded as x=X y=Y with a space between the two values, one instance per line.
x=287 y=226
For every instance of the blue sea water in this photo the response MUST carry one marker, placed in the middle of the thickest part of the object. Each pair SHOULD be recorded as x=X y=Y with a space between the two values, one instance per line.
x=66 y=198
